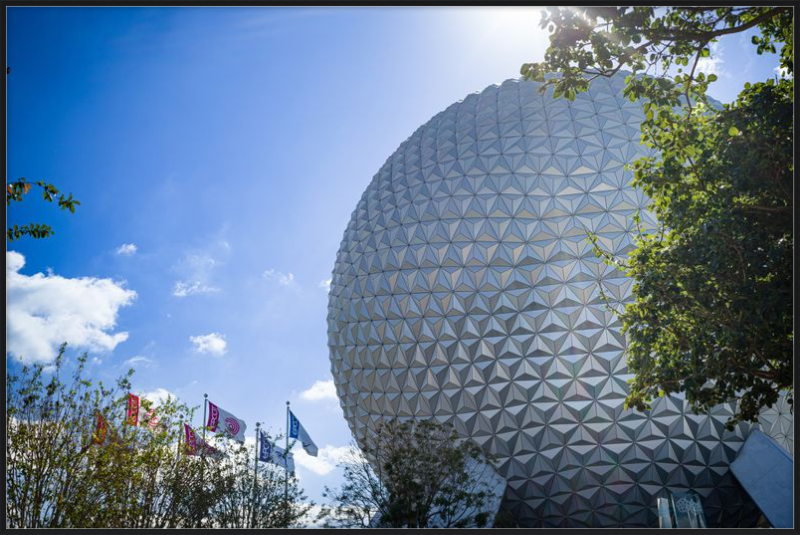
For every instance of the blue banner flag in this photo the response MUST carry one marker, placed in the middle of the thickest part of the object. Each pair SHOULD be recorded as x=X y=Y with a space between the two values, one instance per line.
x=270 y=453
x=265 y=449
x=297 y=431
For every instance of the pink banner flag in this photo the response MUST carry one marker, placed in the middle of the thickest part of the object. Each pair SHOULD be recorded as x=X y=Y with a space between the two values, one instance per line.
x=196 y=445
x=191 y=440
x=222 y=421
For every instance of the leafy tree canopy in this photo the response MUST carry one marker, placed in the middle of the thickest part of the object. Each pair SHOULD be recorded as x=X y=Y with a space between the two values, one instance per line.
x=710 y=313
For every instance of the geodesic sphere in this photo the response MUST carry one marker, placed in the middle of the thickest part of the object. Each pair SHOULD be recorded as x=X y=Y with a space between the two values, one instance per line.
x=465 y=291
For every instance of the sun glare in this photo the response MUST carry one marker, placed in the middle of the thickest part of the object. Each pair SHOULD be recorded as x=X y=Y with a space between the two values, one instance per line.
x=510 y=26
x=505 y=31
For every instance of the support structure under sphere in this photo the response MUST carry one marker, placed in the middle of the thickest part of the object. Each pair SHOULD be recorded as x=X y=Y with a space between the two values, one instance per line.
x=465 y=291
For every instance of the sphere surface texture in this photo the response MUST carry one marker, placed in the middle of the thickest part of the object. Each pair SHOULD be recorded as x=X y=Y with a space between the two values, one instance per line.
x=465 y=291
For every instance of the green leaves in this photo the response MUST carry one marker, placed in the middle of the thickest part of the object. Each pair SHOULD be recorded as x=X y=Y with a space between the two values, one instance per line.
x=15 y=193
x=34 y=230
x=582 y=49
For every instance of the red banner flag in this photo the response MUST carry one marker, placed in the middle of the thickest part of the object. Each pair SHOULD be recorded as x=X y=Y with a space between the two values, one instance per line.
x=99 y=435
x=133 y=410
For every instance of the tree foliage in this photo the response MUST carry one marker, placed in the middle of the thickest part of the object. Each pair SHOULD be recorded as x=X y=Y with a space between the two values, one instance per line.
x=412 y=475
x=711 y=307
x=62 y=473
x=16 y=191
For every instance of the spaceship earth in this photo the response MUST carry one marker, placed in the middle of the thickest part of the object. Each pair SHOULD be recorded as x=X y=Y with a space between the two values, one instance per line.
x=465 y=291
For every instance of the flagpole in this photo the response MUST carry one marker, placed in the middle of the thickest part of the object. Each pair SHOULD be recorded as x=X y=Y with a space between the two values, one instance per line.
x=286 y=465
x=255 y=478
x=205 y=405
x=203 y=449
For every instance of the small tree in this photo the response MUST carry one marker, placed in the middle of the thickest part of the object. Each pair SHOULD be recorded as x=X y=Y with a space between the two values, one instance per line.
x=60 y=472
x=362 y=499
x=412 y=475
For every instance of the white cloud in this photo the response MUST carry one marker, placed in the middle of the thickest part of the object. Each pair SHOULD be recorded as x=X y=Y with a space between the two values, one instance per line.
x=325 y=284
x=213 y=344
x=326 y=461
x=44 y=311
x=127 y=249
x=199 y=261
x=320 y=390
x=283 y=279
x=158 y=396
x=196 y=270
x=713 y=63
x=138 y=360
x=183 y=289
x=781 y=71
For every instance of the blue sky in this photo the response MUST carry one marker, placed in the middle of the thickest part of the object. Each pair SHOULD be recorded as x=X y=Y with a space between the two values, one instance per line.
x=218 y=154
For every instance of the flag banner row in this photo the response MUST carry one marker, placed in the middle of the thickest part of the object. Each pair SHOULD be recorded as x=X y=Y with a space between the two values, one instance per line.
x=271 y=453
x=296 y=430
x=218 y=421
x=222 y=420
